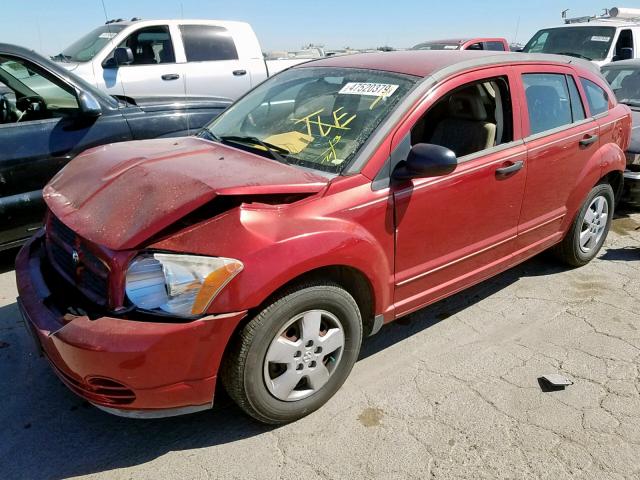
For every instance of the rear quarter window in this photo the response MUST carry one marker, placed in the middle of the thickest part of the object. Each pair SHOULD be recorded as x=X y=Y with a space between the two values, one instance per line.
x=597 y=97
x=204 y=43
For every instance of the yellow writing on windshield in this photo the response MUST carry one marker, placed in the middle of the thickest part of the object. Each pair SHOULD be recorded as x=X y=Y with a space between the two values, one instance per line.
x=313 y=122
x=330 y=155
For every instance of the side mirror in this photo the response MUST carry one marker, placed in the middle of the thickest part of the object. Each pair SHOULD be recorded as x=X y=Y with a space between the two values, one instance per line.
x=426 y=160
x=121 y=56
x=89 y=105
x=626 y=53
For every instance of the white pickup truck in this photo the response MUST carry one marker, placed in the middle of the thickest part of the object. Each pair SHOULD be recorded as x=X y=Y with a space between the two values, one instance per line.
x=600 y=38
x=171 y=58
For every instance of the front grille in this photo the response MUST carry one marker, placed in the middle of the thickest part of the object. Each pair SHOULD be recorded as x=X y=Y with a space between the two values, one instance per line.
x=71 y=257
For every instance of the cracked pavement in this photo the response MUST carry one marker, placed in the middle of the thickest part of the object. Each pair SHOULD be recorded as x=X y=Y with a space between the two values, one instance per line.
x=449 y=392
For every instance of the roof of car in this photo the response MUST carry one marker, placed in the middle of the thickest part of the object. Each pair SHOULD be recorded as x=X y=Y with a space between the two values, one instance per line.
x=425 y=63
x=633 y=62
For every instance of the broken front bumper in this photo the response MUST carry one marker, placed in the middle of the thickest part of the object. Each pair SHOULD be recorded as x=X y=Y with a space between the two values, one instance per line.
x=127 y=367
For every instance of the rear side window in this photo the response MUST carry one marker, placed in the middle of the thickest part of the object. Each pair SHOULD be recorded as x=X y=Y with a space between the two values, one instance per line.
x=497 y=46
x=548 y=101
x=207 y=42
x=596 y=97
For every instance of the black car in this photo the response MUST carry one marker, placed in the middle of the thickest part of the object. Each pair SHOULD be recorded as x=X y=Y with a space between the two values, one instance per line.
x=48 y=116
x=624 y=78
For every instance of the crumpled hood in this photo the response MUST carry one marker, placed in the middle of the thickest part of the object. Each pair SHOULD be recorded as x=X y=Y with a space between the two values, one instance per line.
x=119 y=195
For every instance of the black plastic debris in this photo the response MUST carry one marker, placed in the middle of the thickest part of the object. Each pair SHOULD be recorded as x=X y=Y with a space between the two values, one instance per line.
x=553 y=382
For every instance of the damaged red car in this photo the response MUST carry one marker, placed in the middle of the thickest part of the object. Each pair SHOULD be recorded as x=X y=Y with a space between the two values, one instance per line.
x=335 y=197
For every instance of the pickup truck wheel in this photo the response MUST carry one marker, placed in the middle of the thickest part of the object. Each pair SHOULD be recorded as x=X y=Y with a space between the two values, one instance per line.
x=294 y=355
x=590 y=227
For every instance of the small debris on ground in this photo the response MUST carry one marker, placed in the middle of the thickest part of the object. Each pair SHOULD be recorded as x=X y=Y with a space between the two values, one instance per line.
x=554 y=382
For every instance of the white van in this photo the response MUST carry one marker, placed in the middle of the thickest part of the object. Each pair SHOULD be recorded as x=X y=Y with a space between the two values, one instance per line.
x=601 y=39
x=171 y=58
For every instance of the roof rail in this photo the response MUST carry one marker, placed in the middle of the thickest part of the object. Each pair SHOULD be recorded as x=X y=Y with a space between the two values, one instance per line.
x=611 y=14
x=136 y=19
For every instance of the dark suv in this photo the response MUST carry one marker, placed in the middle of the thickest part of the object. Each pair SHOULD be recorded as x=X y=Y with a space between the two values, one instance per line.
x=48 y=115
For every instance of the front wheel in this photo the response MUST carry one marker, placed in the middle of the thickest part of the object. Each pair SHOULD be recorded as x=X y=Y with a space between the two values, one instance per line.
x=590 y=227
x=295 y=354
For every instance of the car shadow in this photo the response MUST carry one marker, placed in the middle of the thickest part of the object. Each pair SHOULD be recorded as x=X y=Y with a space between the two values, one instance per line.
x=50 y=433
x=8 y=259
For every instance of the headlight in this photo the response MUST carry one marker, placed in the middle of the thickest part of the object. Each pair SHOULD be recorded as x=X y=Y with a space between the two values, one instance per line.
x=183 y=285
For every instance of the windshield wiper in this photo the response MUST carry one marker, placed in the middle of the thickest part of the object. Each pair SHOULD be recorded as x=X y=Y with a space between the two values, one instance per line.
x=274 y=150
x=573 y=54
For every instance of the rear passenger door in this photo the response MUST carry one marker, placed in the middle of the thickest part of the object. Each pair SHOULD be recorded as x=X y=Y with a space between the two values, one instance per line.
x=213 y=67
x=560 y=138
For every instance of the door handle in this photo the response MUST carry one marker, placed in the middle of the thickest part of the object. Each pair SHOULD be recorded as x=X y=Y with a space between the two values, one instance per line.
x=588 y=140
x=239 y=73
x=509 y=169
x=170 y=76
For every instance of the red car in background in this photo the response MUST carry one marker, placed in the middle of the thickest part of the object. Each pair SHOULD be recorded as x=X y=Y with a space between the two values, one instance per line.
x=335 y=197
x=496 y=44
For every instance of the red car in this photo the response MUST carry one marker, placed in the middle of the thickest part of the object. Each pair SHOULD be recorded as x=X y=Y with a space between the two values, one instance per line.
x=496 y=44
x=335 y=197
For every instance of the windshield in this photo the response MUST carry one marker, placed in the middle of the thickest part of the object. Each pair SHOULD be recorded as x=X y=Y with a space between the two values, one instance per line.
x=312 y=117
x=625 y=83
x=88 y=46
x=591 y=43
x=436 y=46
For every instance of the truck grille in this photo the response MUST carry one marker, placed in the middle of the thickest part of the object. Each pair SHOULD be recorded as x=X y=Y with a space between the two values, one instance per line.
x=71 y=258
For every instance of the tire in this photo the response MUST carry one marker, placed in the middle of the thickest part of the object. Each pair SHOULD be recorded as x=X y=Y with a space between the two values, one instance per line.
x=589 y=229
x=277 y=347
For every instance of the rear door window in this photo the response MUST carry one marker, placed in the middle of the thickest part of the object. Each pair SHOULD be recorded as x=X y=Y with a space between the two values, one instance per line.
x=497 y=46
x=548 y=101
x=204 y=43
x=597 y=98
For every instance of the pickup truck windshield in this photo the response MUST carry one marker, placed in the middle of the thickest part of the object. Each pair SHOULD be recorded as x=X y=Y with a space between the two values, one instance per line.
x=312 y=117
x=88 y=46
x=588 y=42
x=625 y=83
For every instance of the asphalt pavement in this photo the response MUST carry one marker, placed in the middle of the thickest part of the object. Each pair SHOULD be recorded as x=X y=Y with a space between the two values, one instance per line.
x=450 y=392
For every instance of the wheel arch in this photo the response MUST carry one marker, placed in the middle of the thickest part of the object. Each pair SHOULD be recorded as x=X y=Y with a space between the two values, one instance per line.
x=352 y=279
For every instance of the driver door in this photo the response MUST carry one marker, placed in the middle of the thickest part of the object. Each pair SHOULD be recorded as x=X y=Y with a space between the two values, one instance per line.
x=36 y=145
x=456 y=229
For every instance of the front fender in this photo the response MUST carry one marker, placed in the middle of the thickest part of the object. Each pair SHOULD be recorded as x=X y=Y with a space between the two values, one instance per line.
x=277 y=245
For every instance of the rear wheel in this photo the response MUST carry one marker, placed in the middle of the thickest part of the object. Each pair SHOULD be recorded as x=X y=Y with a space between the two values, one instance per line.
x=295 y=354
x=590 y=227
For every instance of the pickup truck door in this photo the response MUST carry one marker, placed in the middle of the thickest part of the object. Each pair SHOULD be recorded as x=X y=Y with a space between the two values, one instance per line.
x=213 y=65
x=35 y=148
x=154 y=71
